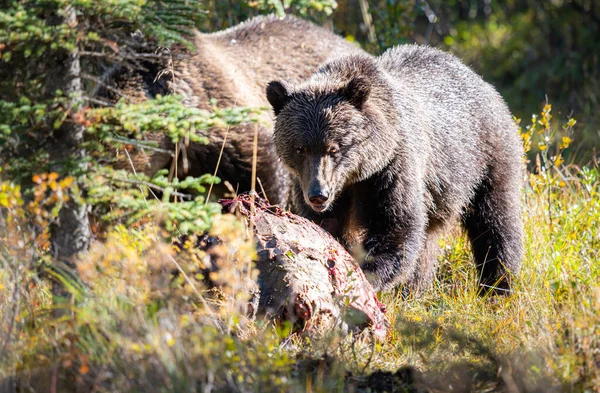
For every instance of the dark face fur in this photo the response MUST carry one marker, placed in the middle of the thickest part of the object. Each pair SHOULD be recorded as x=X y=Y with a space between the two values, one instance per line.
x=318 y=135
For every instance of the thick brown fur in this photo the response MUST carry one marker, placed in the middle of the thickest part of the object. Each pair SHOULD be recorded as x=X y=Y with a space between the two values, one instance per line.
x=234 y=66
x=393 y=149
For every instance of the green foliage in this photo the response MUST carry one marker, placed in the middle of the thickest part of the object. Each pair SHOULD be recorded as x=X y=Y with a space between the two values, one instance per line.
x=531 y=49
x=399 y=16
x=124 y=197
x=302 y=7
x=31 y=115
x=226 y=13
x=30 y=39
x=164 y=115
x=25 y=26
x=131 y=198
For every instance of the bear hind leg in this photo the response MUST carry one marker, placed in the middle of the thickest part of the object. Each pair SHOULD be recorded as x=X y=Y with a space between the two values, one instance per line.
x=493 y=224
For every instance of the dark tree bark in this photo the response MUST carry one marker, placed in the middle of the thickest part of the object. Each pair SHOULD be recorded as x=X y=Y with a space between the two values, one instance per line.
x=71 y=234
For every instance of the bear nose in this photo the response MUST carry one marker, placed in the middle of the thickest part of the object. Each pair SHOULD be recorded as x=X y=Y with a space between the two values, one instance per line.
x=319 y=199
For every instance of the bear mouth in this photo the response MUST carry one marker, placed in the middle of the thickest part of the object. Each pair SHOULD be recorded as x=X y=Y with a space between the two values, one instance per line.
x=319 y=207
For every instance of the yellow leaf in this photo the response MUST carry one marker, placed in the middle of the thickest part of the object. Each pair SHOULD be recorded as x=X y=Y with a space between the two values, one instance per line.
x=66 y=182
x=558 y=161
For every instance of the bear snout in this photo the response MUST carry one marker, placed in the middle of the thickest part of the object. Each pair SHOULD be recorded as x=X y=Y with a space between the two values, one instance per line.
x=318 y=199
x=317 y=196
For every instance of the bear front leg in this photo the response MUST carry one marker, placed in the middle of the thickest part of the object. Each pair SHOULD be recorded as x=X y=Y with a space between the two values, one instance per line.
x=394 y=242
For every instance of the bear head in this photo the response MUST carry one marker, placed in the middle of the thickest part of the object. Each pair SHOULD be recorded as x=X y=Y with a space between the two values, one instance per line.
x=323 y=128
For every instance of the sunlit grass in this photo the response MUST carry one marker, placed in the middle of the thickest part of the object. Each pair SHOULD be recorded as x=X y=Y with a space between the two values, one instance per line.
x=142 y=317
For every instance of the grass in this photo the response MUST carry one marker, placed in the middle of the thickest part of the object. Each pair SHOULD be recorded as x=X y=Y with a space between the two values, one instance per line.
x=143 y=318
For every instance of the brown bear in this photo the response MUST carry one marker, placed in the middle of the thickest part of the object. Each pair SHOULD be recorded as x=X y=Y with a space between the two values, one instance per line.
x=393 y=149
x=232 y=66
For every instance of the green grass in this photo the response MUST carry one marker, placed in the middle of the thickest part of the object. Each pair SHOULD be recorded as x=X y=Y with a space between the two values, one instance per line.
x=132 y=325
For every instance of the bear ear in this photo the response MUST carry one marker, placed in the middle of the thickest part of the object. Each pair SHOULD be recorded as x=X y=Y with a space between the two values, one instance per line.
x=357 y=91
x=278 y=95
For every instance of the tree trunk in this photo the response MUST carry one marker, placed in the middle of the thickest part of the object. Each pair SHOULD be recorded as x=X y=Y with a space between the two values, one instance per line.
x=71 y=234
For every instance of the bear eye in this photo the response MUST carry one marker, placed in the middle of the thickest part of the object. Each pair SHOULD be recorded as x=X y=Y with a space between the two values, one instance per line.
x=300 y=151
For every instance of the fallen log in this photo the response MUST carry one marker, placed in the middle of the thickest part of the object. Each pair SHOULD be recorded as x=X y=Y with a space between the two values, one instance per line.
x=305 y=276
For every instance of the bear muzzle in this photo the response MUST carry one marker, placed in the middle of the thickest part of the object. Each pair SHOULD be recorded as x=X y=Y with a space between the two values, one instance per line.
x=317 y=196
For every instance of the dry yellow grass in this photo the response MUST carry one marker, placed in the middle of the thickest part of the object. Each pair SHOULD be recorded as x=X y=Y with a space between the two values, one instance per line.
x=141 y=318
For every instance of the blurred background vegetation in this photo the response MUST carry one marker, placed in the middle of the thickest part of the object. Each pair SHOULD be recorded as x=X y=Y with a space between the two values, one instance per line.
x=529 y=49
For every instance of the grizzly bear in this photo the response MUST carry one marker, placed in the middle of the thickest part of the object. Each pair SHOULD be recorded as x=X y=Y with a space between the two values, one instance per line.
x=233 y=67
x=392 y=149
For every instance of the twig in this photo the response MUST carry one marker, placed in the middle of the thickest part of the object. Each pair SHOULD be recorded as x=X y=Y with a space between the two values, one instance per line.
x=149 y=185
x=191 y=284
x=511 y=291
x=106 y=86
x=98 y=101
x=135 y=173
x=184 y=157
x=253 y=178
x=563 y=177
x=262 y=190
x=140 y=144
x=220 y=155
x=173 y=167
x=132 y=57
x=367 y=20
x=218 y=163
